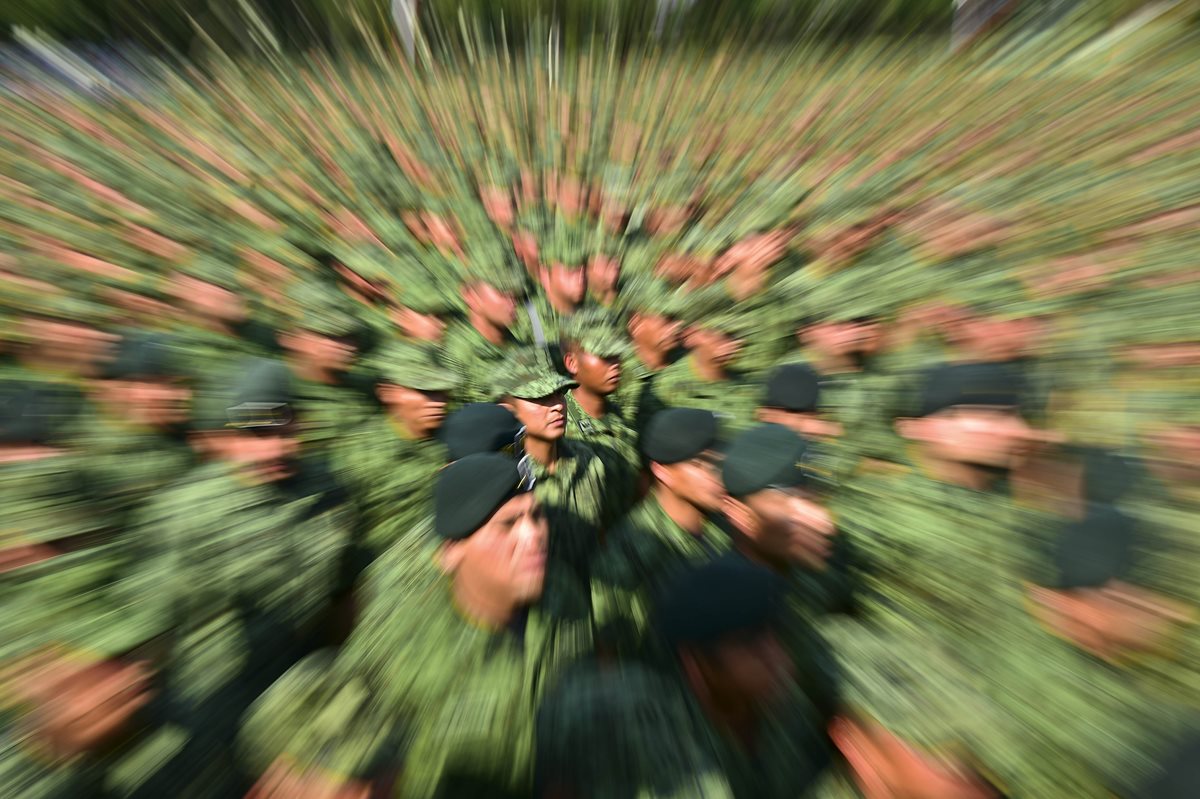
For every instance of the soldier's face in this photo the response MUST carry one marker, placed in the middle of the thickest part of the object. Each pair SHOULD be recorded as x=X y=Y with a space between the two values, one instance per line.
x=843 y=338
x=506 y=558
x=421 y=412
x=755 y=670
x=77 y=344
x=328 y=353
x=696 y=481
x=153 y=403
x=715 y=346
x=793 y=526
x=566 y=284
x=496 y=306
x=809 y=425
x=544 y=418
x=1178 y=446
x=976 y=435
x=658 y=334
x=1108 y=620
x=498 y=205
x=595 y=374
x=208 y=299
x=263 y=456
x=603 y=272
x=419 y=326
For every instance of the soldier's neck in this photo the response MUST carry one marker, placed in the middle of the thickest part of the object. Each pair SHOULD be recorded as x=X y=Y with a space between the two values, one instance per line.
x=679 y=510
x=594 y=405
x=482 y=608
x=829 y=364
x=492 y=332
x=543 y=451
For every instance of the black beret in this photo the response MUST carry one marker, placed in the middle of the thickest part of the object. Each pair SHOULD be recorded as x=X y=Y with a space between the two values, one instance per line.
x=725 y=598
x=1178 y=773
x=1096 y=549
x=948 y=385
x=762 y=456
x=794 y=387
x=470 y=490
x=32 y=413
x=479 y=427
x=1108 y=476
x=140 y=355
x=677 y=434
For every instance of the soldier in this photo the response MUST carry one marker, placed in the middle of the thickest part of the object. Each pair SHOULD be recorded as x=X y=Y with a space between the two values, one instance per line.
x=228 y=580
x=793 y=399
x=217 y=318
x=389 y=462
x=941 y=557
x=423 y=310
x=654 y=328
x=592 y=351
x=473 y=347
x=573 y=482
x=706 y=378
x=136 y=441
x=623 y=730
x=669 y=529
x=464 y=630
x=319 y=348
x=720 y=623
x=62 y=700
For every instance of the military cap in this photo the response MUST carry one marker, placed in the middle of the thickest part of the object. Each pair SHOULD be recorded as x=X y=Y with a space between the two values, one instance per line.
x=423 y=293
x=1098 y=548
x=33 y=413
x=651 y=295
x=948 y=385
x=1178 y=772
x=142 y=355
x=479 y=427
x=209 y=268
x=1108 y=476
x=471 y=489
x=413 y=366
x=261 y=396
x=323 y=308
x=526 y=373
x=724 y=598
x=762 y=457
x=794 y=387
x=679 y=434
x=488 y=262
x=596 y=334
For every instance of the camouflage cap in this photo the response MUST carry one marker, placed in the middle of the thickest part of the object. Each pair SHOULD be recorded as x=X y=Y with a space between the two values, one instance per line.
x=651 y=295
x=413 y=367
x=428 y=293
x=220 y=271
x=598 y=334
x=323 y=308
x=490 y=262
x=526 y=373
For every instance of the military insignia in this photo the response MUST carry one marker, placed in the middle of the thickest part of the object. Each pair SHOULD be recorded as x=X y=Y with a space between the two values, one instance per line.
x=251 y=415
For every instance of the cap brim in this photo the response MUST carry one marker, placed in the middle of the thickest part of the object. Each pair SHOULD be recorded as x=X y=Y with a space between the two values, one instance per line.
x=542 y=387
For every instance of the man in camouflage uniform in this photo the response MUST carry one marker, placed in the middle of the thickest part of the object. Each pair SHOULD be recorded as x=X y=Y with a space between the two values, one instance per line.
x=654 y=326
x=465 y=628
x=227 y=580
x=668 y=530
x=136 y=441
x=592 y=350
x=941 y=559
x=721 y=631
x=473 y=347
x=319 y=348
x=574 y=484
x=563 y=280
x=388 y=464
x=706 y=378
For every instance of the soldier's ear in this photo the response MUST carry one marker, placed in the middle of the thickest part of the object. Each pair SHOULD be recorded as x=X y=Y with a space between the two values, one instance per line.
x=571 y=362
x=661 y=473
x=450 y=556
x=741 y=516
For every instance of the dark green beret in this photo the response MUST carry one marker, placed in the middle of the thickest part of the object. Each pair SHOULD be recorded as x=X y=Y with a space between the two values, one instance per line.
x=794 y=387
x=259 y=396
x=948 y=385
x=679 y=434
x=725 y=598
x=764 y=456
x=479 y=427
x=1096 y=549
x=32 y=413
x=470 y=490
x=1178 y=772
x=141 y=355
x=1109 y=476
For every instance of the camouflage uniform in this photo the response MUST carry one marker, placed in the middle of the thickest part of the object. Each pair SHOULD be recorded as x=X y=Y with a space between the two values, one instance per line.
x=735 y=400
x=474 y=359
